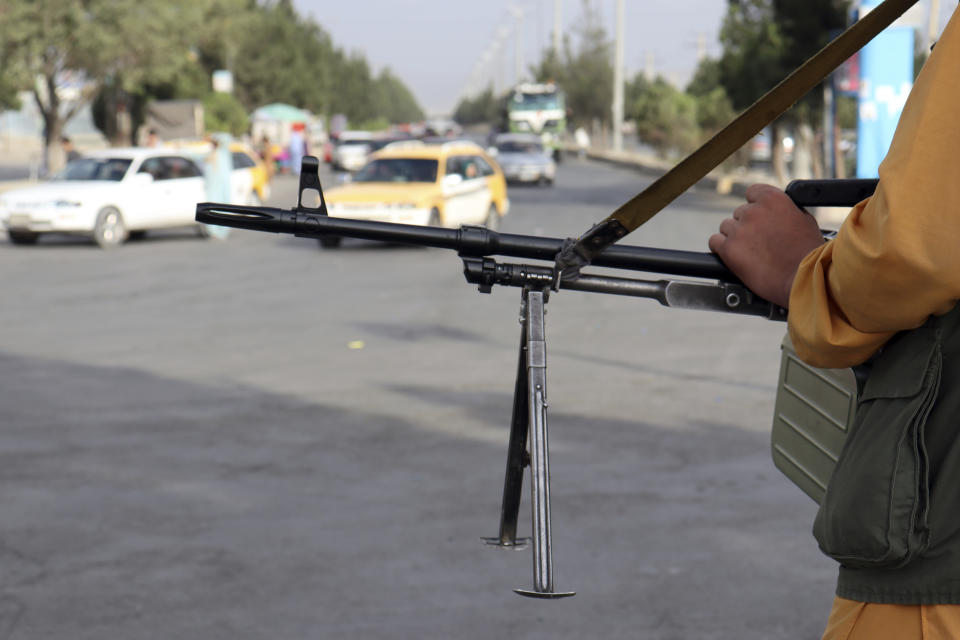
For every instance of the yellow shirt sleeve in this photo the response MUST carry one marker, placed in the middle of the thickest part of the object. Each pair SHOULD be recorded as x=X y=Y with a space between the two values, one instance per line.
x=896 y=259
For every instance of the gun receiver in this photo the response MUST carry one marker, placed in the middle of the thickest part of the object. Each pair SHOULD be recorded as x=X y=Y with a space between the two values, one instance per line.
x=475 y=245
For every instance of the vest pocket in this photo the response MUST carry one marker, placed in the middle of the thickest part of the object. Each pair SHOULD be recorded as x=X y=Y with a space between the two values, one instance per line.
x=874 y=513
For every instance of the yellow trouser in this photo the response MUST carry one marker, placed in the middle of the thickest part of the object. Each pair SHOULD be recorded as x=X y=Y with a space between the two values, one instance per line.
x=851 y=620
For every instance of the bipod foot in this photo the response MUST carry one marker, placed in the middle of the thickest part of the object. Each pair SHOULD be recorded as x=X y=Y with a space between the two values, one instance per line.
x=545 y=595
x=518 y=544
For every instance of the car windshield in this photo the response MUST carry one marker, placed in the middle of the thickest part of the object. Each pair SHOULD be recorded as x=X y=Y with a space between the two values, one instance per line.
x=111 y=169
x=536 y=101
x=513 y=146
x=398 y=170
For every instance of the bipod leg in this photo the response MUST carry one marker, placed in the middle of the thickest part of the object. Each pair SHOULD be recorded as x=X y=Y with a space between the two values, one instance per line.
x=536 y=366
x=517 y=457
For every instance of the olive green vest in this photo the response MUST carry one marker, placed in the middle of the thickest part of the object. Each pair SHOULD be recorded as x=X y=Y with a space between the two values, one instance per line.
x=891 y=512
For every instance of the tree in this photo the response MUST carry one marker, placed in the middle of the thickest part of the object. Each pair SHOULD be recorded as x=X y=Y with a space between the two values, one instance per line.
x=280 y=58
x=764 y=40
x=666 y=117
x=714 y=107
x=393 y=100
x=125 y=53
x=89 y=43
x=482 y=108
x=223 y=112
x=588 y=73
x=583 y=70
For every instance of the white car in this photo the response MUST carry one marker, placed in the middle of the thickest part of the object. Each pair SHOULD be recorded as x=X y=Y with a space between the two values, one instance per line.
x=351 y=150
x=523 y=158
x=108 y=195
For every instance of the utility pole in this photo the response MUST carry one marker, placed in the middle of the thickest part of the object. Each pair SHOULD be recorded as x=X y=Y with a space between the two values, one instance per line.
x=557 y=25
x=701 y=46
x=517 y=13
x=649 y=66
x=933 y=28
x=618 y=81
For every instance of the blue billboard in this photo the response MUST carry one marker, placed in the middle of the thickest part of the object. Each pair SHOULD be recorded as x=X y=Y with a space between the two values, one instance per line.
x=886 y=76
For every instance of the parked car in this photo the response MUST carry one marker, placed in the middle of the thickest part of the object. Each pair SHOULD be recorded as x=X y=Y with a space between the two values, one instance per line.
x=523 y=158
x=107 y=195
x=410 y=182
x=351 y=150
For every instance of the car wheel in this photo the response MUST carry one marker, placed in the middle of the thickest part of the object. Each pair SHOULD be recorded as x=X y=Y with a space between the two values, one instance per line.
x=330 y=242
x=493 y=218
x=109 y=231
x=23 y=237
x=434 y=219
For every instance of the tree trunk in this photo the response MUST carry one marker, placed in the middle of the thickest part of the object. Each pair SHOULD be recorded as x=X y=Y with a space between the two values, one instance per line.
x=776 y=153
x=54 y=158
x=803 y=152
x=819 y=160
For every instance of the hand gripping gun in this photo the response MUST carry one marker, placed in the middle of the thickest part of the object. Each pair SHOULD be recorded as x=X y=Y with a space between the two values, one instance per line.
x=717 y=290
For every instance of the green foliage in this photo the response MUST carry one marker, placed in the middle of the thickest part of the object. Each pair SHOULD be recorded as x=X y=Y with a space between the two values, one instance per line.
x=752 y=45
x=763 y=41
x=714 y=111
x=666 y=117
x=847 y=111
x=551 y=66
x=714 y=107
x=12 y=71
x=376 y=124
x=131 y=52
x=121 y=42
x=393 y=100
x=278 y=57
x=223 y=112
x=588 y=73
x=482 y=108
x=8 y=92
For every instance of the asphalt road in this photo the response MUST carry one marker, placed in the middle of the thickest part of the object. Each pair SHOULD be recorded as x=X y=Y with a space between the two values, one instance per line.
x=259 y=439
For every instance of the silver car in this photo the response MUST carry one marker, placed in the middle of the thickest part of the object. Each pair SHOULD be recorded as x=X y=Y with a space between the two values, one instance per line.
x=523 y=158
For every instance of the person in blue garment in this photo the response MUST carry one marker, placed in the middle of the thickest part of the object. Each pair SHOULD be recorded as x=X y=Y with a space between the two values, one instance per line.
x=217 y=169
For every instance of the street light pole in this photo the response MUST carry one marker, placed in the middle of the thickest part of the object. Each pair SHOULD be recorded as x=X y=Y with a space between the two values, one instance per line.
x=557 y=25
x=517 y=13
x=618 y=81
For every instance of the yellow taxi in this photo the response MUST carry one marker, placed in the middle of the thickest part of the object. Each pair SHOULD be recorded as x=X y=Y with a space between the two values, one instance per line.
x=245 y=159
x=439 y=185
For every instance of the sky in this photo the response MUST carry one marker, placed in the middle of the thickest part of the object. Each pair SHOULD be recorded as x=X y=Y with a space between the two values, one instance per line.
x=436 y=46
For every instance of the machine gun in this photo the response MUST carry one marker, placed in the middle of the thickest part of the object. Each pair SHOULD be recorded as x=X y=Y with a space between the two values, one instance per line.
x=716 y=289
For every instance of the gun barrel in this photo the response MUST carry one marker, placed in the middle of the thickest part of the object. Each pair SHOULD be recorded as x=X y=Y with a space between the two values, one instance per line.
x=467 y=241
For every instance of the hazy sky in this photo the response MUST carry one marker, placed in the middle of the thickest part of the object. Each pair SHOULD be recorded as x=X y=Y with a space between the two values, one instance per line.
x=435 y=46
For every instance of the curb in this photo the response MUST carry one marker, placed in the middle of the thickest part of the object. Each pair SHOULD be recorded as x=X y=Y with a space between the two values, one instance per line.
x=724 y=184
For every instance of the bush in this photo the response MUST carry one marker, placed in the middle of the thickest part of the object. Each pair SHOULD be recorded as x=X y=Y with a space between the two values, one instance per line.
x=223 y=112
